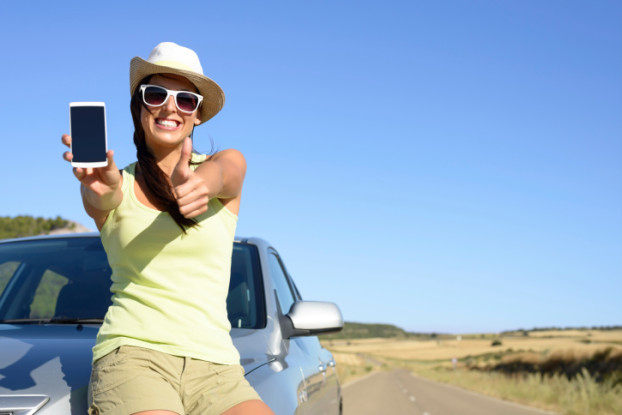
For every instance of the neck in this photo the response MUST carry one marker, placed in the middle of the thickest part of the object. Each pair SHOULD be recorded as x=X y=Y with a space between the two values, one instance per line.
x=167 y=158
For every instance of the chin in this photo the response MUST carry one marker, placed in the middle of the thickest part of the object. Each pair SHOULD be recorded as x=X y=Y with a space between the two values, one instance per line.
x=165 y=140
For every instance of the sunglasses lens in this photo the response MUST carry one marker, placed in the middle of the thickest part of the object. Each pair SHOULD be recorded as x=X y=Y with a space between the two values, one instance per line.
x=187 y=102
x=154 y=95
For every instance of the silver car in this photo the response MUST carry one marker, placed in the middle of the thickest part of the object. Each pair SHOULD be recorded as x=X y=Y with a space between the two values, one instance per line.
x=55 y=292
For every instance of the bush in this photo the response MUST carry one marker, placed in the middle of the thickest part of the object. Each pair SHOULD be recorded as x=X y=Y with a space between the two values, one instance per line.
x=28 y=226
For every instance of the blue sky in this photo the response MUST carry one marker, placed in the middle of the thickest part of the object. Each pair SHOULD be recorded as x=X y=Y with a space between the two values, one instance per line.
x=448 y=166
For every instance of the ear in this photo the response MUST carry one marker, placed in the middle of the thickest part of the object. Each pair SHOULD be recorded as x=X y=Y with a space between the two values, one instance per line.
x=197 y=119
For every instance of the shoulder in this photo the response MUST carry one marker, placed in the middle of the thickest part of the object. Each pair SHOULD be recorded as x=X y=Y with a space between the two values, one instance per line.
x=230 y=157
x=229 y=153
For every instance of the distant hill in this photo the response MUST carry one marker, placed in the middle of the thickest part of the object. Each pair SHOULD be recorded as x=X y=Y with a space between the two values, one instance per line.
x=19 y=226
x=368 y=331
x=364 y=330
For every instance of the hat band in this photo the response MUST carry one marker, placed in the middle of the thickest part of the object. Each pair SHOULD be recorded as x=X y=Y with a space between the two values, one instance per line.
x=176 y=65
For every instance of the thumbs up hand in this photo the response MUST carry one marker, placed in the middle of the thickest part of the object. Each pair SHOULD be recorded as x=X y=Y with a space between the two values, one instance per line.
x=190 y=189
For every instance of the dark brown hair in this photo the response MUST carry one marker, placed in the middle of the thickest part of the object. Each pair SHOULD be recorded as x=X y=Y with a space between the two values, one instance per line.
x=156 y=180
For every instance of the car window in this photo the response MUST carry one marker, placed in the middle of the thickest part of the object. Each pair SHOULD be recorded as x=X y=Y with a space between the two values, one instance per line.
x=295 y=288
x=54 y=278
x=245 y=301
x=46 y=295
x=7 y=269
x=280 y=283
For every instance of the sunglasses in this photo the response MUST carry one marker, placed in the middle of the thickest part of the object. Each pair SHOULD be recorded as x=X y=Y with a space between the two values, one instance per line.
x=156 y=96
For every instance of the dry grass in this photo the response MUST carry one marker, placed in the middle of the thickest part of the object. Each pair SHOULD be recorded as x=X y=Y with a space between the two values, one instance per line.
x=468 y=346
x=557 y=393
x=433 y=359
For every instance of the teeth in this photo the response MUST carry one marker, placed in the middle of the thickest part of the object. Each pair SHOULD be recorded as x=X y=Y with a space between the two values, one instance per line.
x=167 y=123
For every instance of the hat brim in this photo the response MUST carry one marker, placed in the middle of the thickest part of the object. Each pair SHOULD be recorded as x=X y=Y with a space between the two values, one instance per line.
x=213 y=95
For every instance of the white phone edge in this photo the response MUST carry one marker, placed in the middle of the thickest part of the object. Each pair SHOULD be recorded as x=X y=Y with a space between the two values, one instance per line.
x=90 y=104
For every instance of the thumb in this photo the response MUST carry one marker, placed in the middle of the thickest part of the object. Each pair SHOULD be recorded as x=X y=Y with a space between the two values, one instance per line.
x=111 y=165
x=111 y=171
x=182 y=171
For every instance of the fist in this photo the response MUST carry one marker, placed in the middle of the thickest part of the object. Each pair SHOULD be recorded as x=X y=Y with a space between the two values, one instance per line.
x=189 y=188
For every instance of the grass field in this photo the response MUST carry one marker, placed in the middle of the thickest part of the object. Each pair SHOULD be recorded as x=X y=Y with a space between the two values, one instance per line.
x=473 y=362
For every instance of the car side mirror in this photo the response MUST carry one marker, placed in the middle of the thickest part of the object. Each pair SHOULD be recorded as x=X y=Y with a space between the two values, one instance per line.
x=309 y=318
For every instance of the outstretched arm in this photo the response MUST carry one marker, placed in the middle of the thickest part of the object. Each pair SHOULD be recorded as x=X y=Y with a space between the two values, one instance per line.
x=100 y=187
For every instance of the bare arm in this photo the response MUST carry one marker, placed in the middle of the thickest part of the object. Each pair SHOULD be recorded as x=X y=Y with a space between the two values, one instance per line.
x=221 y=176
x=100 y=187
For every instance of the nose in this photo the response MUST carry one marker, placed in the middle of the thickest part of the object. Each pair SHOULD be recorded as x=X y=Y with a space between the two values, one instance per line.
x=170 y=104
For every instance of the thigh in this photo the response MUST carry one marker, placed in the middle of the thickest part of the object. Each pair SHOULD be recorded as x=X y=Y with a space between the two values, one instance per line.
x=210 y=388
x=133 y=380
x=155 y=413
x=249 y=407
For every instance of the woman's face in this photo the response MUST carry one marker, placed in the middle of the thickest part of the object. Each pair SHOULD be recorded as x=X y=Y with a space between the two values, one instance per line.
x=166 y=127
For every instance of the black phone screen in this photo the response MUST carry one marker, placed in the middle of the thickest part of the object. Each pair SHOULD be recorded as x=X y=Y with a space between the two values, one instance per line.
x=88 y=134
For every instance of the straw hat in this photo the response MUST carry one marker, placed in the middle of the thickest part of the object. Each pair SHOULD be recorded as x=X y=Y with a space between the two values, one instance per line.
x=170 y=58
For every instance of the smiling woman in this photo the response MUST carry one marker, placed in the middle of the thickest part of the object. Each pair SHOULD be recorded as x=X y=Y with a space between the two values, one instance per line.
x=167 y=224
x=158 y=130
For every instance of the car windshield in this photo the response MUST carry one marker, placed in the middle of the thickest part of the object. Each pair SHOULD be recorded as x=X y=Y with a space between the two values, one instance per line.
x=67 y=280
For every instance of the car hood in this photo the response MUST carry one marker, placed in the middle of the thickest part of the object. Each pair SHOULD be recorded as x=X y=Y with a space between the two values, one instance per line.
x=50 y=360
x=36 y=356
x=55 y=360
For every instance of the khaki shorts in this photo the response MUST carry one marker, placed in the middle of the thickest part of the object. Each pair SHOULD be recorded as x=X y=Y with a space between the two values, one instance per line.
x=133 y=379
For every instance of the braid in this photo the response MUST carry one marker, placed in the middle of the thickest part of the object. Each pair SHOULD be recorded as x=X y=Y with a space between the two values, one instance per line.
x=156 y=180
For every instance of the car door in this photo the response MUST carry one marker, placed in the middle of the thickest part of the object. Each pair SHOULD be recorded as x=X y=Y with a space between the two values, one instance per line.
x=318 y=394
x=324 y=391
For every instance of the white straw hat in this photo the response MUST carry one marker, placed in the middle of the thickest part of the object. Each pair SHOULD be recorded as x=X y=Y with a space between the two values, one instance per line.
x=170 y=58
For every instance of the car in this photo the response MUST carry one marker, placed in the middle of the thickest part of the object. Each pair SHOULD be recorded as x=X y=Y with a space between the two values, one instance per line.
x=55 y=291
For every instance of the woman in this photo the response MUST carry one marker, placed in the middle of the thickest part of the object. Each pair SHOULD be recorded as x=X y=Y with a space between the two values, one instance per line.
x=167 y=223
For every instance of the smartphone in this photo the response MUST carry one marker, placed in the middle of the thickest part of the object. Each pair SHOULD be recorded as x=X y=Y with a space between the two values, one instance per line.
x=89 y=142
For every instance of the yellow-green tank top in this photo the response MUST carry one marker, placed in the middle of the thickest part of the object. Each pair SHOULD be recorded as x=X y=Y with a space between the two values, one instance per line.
x=169 y=289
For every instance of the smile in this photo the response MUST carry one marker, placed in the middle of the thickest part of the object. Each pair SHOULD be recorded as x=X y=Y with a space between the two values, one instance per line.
x=167 y=123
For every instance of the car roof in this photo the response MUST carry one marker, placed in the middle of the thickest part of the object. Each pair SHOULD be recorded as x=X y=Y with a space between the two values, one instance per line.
x=246 y=240
x=53 y=236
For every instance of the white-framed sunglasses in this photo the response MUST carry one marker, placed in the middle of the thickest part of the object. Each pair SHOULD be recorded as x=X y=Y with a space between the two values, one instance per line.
x=156 y=96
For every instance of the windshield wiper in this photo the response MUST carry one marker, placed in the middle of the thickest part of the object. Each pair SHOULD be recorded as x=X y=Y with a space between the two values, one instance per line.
x=62 y=320
x=53 y=321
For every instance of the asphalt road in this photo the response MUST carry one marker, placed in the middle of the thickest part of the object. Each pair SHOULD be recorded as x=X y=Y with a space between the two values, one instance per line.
x=399 y=392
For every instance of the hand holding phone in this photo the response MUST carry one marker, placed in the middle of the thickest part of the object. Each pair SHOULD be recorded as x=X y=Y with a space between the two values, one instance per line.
x=93 y=163
x=89 y=142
